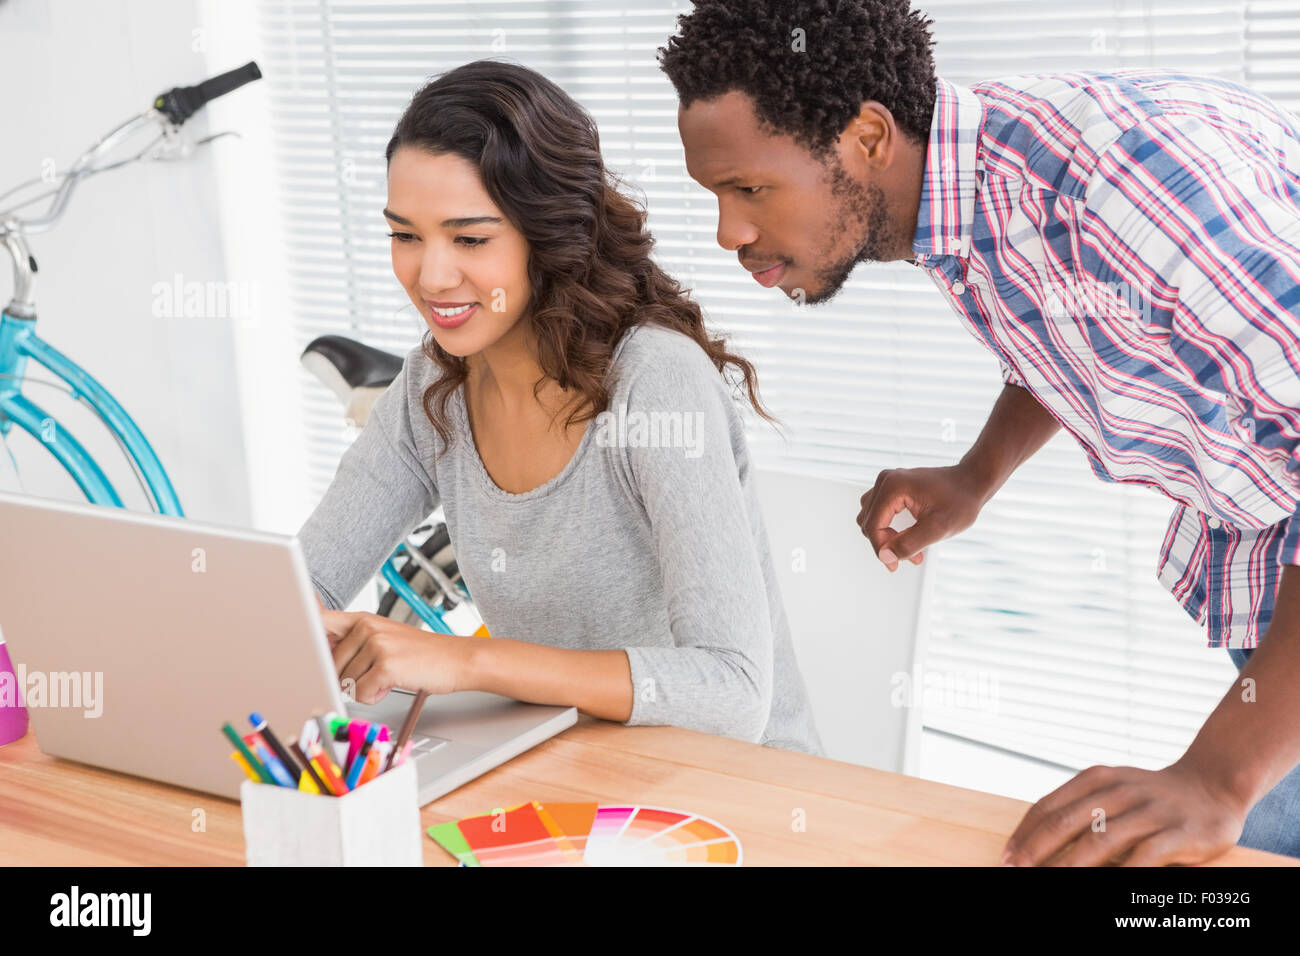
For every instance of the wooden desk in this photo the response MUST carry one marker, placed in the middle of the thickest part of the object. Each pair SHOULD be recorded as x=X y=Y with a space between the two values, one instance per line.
x=53 y=812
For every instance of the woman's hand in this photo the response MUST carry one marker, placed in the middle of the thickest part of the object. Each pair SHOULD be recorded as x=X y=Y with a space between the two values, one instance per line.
x=374 y=654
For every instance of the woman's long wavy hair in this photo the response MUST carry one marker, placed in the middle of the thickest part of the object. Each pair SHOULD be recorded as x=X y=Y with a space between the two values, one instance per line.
x=589 y=268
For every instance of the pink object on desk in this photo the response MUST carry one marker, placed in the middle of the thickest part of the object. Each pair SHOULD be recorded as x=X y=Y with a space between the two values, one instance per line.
x=13 y=715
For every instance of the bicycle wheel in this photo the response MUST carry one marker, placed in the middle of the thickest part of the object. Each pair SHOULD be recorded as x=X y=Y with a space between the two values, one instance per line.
x=437 y=549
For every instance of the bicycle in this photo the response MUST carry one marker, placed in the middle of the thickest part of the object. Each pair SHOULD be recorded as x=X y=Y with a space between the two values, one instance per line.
x=424 y=580
x=19 y=341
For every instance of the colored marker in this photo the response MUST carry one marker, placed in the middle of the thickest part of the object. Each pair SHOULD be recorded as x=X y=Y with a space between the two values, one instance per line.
x=357 y=730
x=329 y=773
x=272 y=741
x=354 y=771
x=278 y=770
x=327 y=737
x=309 y=734
x=328 y=770
x=311 y=771
x=238 y=758
x=247 y=754
x=371 y=768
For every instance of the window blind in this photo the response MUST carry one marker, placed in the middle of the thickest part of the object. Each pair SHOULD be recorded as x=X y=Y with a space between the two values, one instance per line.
x=1273 y=50
x=1051 y=598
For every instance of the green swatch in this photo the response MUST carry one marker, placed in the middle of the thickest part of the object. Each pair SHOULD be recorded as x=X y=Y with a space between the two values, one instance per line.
x=449 y=837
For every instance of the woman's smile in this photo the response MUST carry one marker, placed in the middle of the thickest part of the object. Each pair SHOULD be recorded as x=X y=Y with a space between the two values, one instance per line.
x=453 y=317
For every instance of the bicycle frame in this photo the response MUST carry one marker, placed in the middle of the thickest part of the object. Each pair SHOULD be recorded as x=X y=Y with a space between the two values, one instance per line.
x=18 y=343
x=429 y=615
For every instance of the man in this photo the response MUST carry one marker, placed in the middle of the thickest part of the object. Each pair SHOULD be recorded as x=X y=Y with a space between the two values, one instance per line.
x=1128 y=246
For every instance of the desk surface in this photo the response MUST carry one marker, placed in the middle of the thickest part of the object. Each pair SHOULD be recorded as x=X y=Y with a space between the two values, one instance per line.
x=54 y=812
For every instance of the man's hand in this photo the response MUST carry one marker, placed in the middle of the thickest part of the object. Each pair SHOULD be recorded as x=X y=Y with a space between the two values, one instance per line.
x=1194 y=809
x=377 y=654
x=944 y=501
x=1134 y=817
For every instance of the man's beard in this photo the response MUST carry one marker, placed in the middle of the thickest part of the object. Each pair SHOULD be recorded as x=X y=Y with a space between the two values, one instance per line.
x=859 y=211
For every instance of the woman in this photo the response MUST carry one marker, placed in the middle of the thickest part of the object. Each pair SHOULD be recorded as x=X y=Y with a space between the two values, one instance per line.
x=568 y=410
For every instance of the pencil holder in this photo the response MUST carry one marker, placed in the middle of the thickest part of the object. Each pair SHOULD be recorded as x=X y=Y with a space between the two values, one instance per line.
x=377 y=824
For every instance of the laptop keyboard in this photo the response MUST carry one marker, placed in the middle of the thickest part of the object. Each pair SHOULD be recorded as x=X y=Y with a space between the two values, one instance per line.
x=425 y=745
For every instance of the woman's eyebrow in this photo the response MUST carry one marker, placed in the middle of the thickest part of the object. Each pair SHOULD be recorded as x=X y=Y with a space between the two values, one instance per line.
x=469 y=221
x=446 y=223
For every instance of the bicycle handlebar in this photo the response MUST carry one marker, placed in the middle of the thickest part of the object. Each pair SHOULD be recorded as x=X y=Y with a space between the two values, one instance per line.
x=169 y=109
x=181 y=102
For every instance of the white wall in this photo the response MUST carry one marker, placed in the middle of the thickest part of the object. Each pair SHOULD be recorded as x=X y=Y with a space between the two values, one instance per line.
x=254 y=244
x=72 y=70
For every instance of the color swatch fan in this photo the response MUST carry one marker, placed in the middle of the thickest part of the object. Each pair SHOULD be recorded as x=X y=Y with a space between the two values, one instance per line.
x=651 y=836
x=588 y=834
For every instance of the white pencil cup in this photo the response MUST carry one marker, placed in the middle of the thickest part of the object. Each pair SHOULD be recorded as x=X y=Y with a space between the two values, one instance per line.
x=377 y=824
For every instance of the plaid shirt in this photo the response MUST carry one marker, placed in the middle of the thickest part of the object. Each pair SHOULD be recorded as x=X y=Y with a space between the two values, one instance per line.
x=1128 y=246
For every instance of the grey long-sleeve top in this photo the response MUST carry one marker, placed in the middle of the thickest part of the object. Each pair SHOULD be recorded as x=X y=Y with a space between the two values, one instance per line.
x=650 y=540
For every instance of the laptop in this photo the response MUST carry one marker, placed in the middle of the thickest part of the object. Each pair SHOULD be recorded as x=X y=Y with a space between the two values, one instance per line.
x=135 y=636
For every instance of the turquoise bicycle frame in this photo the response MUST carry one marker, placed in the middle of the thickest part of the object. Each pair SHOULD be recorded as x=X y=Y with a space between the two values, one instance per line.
x=18 y=343
x=429 y=615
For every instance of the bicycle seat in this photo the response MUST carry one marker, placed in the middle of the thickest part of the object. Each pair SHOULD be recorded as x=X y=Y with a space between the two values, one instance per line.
x=360 y=365
x=357 y=373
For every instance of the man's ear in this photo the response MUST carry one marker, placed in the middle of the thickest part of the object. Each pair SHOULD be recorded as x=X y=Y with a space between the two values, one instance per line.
x=874 y=133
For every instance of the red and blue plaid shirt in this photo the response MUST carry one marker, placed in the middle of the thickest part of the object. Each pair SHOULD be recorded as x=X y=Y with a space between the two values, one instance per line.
x=1128 y=245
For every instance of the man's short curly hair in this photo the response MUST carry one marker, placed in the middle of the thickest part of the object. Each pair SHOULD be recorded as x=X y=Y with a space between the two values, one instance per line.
x=854 y=50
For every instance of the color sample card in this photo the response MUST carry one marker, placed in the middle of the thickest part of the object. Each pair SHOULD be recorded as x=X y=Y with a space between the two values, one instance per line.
x=559 y=834
x=512 y=838
x=569 y=823
x=449 y=836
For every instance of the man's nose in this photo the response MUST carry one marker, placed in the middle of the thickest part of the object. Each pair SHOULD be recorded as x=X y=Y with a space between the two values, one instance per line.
x=734 y=231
